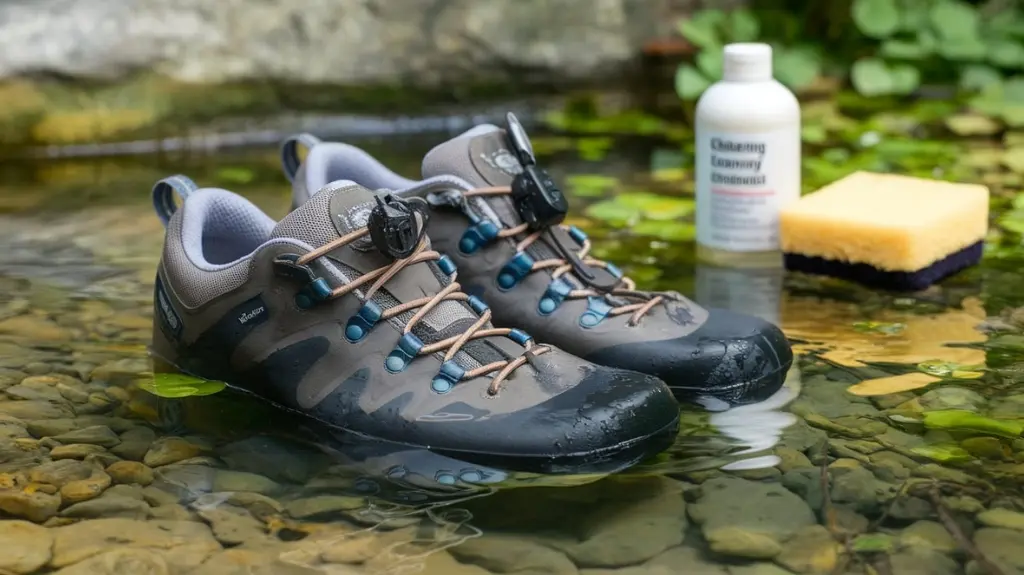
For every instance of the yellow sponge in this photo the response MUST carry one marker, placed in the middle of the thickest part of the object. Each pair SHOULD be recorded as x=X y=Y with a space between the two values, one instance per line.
x=886 y=230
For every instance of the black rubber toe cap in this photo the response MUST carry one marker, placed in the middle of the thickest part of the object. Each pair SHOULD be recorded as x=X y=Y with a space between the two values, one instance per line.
x=734 y=357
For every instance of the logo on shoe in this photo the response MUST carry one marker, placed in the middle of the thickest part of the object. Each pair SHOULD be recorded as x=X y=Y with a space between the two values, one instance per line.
x=249 y=315
x=503 y=160
x=170 y=320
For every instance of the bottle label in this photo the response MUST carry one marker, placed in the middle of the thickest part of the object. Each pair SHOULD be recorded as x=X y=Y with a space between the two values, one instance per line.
x=743 y=180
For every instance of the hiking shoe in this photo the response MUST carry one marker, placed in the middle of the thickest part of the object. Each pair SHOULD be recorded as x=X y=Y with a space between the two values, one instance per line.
x=498 y=215
x=342 y=311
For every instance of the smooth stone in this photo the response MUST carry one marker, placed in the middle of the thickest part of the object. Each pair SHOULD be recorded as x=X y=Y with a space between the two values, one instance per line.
x=951 y=397
x=675 y=561
x=242 y=561
x=512 y=554
x=24 y=547
x=357 y=547
x=917 y=561
x=929 y=535
x=72 y=393
x=174 y=512
x=35 y=506
x=24 y=392
x=1004 y=547
x=189 y=542
x=857 y=486
x=135 y=443
x=232 y=525
x=84 y=489
x=30 y=410
x=1004 y=518
x=766 y=508
x=59 y=473
x=31 y=327
x=37 y=368
x=438 y=563
x=93 y=435
x=167 y=450
x=121 y=368
x=260 y=506
x=130 y=472
x=942 y=473
x=121 y=562
x=76 y=451
x=227 y=480
x=12 y=428
x=108 y=507
x=986 y=448
x=128 y=491
x=739 y=542
x=964 y=504
x=323 y=505
x=791 y=459
x=811 y=550
x=275 y=458
x=626 y=532
x=50 y=427
x=157 y=497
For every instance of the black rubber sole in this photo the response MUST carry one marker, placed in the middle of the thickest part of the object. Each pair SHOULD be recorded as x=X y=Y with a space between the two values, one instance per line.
x=605 y=460
x=737 y=394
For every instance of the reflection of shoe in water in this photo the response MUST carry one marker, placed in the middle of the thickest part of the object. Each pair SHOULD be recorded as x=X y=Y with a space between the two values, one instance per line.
x=498 y=215
x=343 y=312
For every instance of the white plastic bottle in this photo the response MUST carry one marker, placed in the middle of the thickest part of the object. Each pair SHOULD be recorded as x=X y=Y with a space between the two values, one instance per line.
x=747 y=160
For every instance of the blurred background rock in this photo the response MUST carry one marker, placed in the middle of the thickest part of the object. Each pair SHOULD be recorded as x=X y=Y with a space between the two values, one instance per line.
x=78 y=71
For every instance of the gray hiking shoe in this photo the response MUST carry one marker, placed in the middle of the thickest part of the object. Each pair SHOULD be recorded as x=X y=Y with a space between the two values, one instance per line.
x=498 y=216
x=343 y=312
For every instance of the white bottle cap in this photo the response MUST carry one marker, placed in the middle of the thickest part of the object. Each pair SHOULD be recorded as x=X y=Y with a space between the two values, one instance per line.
x=747 y=62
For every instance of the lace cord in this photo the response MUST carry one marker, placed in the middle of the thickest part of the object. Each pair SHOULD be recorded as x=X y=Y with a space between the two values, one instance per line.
x=452 y=345
x=561 y=267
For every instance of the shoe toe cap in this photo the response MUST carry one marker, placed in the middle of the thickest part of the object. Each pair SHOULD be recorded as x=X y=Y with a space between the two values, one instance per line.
x=733 y=357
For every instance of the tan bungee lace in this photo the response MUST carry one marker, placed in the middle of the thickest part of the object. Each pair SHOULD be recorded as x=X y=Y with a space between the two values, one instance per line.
x=451 y=345
x=562 y=267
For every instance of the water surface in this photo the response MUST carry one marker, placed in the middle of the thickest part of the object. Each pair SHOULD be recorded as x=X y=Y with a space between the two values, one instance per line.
x=894 y=448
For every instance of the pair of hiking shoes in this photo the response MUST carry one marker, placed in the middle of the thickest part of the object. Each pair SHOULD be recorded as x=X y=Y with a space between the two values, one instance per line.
x=453 y=312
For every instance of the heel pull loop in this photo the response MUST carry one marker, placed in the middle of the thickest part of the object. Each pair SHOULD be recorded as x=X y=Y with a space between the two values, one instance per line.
x=163 y=195
x=290 y=153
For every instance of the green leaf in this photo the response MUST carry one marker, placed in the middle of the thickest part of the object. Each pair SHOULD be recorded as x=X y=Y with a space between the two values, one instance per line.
x=1013 y=220
x=905 y=78
x=972 y=125
x=954 y=20
x=613 y=212
x=1006 y=53
x=914 y=15
x=743 y=25
x=235 y=175
x=873 y=543
x=796 y=67
x=1013 y=159
x=813 y=133
x=942 y=453
x=657 y=207
x=690 y=83
x=962 y=49
x=975 y=77
x=710 y=63
x=176 y=385
x=960 y=420
x=870 y=77
x=876 y=18
x=702 y=29
x=589 y=185
x=904 y=50
x=672 y=231
x=663 y=159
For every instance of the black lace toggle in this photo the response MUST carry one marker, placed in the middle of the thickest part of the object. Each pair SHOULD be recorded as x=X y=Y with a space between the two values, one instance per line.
x=539 y=201
x=397 y=224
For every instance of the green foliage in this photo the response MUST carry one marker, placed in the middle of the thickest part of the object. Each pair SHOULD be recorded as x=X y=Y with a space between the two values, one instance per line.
x=881 y=48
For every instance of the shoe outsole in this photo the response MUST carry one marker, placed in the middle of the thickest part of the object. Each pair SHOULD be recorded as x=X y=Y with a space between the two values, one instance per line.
x=607 y=459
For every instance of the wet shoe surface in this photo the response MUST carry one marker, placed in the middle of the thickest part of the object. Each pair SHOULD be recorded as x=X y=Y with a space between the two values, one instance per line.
x=498 y=215
x=343 y=311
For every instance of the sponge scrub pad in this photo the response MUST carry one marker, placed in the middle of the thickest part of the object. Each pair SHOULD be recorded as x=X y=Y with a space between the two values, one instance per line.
x=887 y=231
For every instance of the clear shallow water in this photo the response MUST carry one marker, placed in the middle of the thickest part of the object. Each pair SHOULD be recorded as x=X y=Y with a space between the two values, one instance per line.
x=816 y=480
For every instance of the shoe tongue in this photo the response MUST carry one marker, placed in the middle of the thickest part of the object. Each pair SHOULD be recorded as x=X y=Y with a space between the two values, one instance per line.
x=343 y=207
x=483 y=158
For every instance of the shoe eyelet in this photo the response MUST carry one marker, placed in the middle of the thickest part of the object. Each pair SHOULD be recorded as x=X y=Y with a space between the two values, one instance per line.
x=403 y=354
x=597 y=311
x=514 y=271
x=449 y=375
x=362 y=322
x=477 y=236
x=557 y=291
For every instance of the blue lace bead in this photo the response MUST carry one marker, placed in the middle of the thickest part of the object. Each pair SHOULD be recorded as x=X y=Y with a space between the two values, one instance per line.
x=577 y=235
x=447 y=265
x=519 y=336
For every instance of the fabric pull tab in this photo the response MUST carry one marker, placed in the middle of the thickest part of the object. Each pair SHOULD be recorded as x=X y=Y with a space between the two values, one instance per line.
x=163 y=195
x=290 y=152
